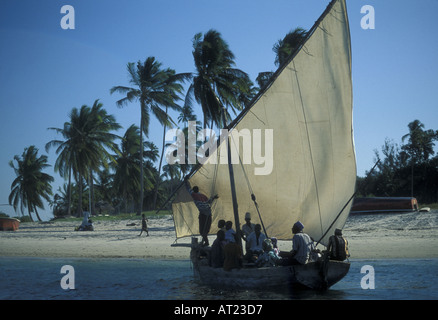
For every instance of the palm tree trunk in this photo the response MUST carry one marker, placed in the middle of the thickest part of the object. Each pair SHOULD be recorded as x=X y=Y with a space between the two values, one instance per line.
x=30 y=215
x=69 y=191
x=92 y=202
x=412 y=178
x=79 y=212
x=140 y=205
x=157 y=183
x=36 y=212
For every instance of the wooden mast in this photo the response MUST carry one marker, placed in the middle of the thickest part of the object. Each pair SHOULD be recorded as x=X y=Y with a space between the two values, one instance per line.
x=232 y=185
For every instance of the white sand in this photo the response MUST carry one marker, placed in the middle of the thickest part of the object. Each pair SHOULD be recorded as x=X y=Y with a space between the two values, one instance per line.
x=110 y=239
x=117 y=239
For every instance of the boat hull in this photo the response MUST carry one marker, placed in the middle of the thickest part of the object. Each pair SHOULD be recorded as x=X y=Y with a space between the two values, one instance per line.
x=9 y=224
x=384 y=205
x=317 y=275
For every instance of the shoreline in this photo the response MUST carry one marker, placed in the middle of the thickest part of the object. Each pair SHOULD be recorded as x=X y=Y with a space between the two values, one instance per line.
x=119 y=239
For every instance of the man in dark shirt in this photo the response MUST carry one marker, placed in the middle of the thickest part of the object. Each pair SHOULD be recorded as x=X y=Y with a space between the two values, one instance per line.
x=203 y=205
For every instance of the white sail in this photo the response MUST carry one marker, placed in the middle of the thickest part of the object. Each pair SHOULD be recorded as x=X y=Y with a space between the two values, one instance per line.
x=308 y=110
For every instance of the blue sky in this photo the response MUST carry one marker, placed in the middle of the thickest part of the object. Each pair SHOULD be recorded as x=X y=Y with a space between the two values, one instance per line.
x=45 y=70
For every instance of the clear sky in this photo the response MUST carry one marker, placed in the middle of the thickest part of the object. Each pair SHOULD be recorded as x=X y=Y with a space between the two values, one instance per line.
x=45 y=70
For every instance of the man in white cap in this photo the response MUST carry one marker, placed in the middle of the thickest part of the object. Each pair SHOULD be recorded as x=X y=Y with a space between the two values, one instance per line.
x=248 y=227
x=302 y=246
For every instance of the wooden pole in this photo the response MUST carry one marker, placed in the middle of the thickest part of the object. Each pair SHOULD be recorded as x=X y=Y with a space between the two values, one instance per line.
x=233 y=186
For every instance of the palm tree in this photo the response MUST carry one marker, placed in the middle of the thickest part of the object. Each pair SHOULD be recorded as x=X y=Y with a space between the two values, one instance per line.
x=31 y=185
x=216 y=83
x=420 y=146
x=283 y=48
x=155 y=88
x=127 y=166
x=87 y=136
x=101 y=137
x=288 y=45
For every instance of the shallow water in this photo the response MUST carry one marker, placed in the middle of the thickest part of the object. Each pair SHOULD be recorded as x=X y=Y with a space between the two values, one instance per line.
x=134 y=279
x=139 y=279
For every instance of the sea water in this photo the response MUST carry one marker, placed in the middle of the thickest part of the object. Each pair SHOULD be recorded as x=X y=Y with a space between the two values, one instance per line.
x=145 y=279
x=136 y=279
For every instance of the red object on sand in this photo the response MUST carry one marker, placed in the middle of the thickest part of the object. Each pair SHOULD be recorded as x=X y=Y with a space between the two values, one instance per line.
x=9 y=224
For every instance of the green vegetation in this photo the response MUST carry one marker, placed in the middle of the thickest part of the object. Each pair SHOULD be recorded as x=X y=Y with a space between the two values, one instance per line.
x=409 y=170
x=31 y=185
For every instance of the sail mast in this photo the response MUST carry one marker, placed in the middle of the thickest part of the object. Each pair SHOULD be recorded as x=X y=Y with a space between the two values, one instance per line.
x=232 y=184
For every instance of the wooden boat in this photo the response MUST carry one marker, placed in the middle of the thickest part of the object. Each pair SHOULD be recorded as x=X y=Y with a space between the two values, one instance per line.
x=307 y=111
x=384 y=205
x=316 y=275
x=9 y=224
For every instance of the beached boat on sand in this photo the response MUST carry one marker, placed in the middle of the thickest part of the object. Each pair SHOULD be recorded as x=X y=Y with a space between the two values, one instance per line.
x=307 y=110
x=9 y=224
x=384 y=205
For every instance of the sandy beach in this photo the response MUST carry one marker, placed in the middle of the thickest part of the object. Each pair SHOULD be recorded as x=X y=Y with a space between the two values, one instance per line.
x=384 y=237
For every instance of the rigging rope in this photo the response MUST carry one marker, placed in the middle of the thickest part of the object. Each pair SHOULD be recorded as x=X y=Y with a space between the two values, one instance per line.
x=253 y=197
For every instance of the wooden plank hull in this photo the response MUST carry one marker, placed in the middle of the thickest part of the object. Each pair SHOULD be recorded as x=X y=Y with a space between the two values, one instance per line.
x=314 y=275
x=9 y=224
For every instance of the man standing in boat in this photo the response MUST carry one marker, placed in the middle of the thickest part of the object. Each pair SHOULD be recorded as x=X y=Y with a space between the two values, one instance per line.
x=204 y=206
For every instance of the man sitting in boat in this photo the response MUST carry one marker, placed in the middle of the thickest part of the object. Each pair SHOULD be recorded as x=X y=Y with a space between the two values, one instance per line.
x=268 y=258
x=203 y=205
x=338 y=247
x=232 y=255
x=248 y=227
x=217 y=250
x=254 y=243
x=302 y=246
x=229 y=232
x=221 y=225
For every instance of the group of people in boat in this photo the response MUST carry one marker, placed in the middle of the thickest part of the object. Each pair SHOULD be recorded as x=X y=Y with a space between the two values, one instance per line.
x=260 y=250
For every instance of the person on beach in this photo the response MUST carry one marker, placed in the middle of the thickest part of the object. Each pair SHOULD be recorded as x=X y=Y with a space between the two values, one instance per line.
x=144 y=225
x=338 y=247
x=87 y=223
x=302 y=246
x=204 y=206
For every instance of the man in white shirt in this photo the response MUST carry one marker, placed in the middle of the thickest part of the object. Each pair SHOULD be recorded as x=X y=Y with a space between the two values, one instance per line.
x=255 y=242
x=302 y=246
